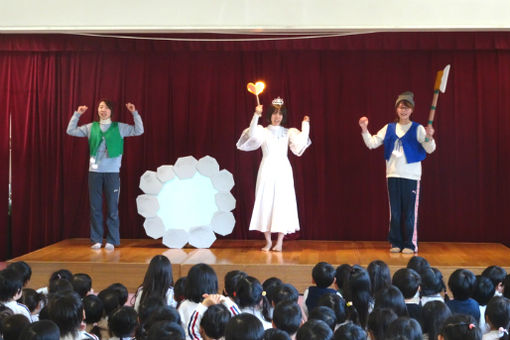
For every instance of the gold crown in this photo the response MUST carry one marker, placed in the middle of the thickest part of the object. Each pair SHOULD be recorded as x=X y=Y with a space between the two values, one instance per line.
x=277 y=101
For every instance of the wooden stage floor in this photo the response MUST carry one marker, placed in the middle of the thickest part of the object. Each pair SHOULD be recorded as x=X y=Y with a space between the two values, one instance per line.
x=127 y=264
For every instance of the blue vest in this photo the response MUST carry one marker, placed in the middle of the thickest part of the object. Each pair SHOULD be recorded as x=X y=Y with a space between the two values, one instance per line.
x=413 y=150
x=314 y=293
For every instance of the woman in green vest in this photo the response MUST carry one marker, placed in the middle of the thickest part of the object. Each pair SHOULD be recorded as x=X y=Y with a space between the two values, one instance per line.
x=106 y=146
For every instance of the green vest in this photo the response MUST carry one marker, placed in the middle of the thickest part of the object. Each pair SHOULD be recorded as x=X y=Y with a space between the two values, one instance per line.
x=113 y=139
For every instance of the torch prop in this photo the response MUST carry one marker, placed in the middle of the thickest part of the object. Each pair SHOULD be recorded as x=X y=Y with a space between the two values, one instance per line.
x=439 y=85
x=256 y=89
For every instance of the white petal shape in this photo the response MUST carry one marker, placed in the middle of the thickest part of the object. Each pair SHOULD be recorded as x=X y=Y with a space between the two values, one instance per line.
x=176 y=238
x=147 y=205
x=154 y=227
x=208 y=166
x=225 y=201
x=149 y=183
x=185 y=167
x=223 y=223
x=165 y=173
x=223 y=181
x=201 y=237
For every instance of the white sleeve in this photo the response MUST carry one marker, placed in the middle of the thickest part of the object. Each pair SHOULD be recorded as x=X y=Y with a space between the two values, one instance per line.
x=299 y=141
x=421 y=135
x=127 y=130
x=77 y=131
x=253 y=137
x=376 y=140
x=194 y=322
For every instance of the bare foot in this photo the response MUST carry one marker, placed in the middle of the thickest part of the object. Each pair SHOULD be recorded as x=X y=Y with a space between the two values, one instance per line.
x=277 y=247
x=267 y=246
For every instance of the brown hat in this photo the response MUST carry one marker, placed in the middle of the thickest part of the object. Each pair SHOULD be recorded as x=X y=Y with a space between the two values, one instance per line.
x=408 y=96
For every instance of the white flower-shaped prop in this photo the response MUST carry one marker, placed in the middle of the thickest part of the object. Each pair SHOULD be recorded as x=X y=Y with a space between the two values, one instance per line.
x=187 y=203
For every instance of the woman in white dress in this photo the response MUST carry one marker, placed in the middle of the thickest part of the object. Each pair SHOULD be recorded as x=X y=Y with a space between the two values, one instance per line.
x=275 y=209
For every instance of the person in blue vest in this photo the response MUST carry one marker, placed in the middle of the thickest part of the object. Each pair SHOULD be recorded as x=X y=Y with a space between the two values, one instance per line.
x=406 y=144
x=106 y=146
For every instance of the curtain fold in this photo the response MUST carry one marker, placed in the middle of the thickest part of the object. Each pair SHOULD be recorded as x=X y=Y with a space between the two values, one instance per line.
x=193 y=100
x=5 y=241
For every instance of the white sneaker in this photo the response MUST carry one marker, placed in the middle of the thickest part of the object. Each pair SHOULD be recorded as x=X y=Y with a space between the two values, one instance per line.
x=109 y=246
x=96 y=246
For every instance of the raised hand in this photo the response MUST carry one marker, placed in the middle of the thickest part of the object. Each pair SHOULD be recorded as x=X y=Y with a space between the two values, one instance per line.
x=363 y=123
x=81 y=109
x=131 y=107
x=430 y=131
x=258 y=110
x=306 y=119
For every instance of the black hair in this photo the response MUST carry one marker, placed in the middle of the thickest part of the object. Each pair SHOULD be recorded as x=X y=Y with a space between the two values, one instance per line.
x=110 y=300
x=249 y=293
x=350 y=331
x=336 y=303
x=13 y=325
x=244 y=326
x=358 y=296
x=60 y=286
x=158 y=278
x=32 y=299
x=82 y=284
x=61 y=274
x=432 y=282
x=282 y=110
x=287 y=316
x=379 y=321
x=434 y=313
x=484 y=290
x=109 y=103
x=496 y=274
x=231 y=279
x=404 y=328
x=506 y=285
x=462 y=283
x=41 y=330
x=392 y=298
x=418 y=263
x=164 y=313
x=121 y=291
x=148 y=307
x=201 y=280
x=275 y=334
x=10 y=284
x=179 y=288
x=215 y=320
x=153 y=310
x=342 y=275
x=94 y=310
x=122 y=322
x=461 y=327
x=314 y=330
x=380 y=276
x=325 y=314
x=323 y=274
x=66 y=311
x=23 y=269
x=408 y=281
x=498 y=313
x=165 y=330
x=271 y=287
x=285 y=292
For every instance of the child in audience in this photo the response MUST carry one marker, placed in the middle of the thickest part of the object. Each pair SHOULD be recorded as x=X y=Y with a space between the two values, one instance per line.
x=251 y=298
x=194 y=329
x=23 y=269
x=325 y=314
x=158 y=281
x=110 y=299
x=121 y=291
x=434 y=315
x=41 y=330
x=350 y=331
x=214 y=322
x=323 y=276
x=337 y=304
x=179 y=287
x=244 y=326
x=462 y=283
x=94 y=311
x=359 y=296
x=34 y=302
x=287 y=317
x=82 y=284
x=497 y=275
x=404 y=328
x=275 y=334
x=483 y=292
x=432 y=286
x=122 y=323
x=393 y=299
x=408 y=281
x=498 y=318
x=418 y=264
x=13 y=325
x=379 y=321
x=314 y=330
x=165 y=330
x=342 y=275
x=460 y=327
x=380 y=277
x=55 y=276
x=11 y=283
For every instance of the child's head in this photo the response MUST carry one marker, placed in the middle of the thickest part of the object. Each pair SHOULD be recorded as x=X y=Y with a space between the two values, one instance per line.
x=23 y=270
x=66 y=311
x=60 y=286
x=231 y=280
x=61 y=274
x=359 y=294
x=497 y=275
x=408 y=281
x=484 y=290
x=271 y=287
x=201 y=280
x=342 y=274
x=41 y=330
x=350 y=331
x=10 y=285
x=94 y=309
x=33 y=300
x=379 y=321
x=380 y=276
x=158 y=277
x=180 y=286
x=122 y=292
x=285 y=292
x=249 y=293
x=12 y=326
x=325 y=314
x=432 y=282
x=275 y=334
x=393 y=299
x=323 y=274
x=122 y=322
x=336 y=303
x=434 y=314
x=110 y=300
x=462 y=283
x=404 y=328
x=418 y=264
x=314 y=330
x=287 y=316
x=244 y=326
x=166 y=330
x=214 y=321
x=82 y=284
x=498 y=313
x=460 y=327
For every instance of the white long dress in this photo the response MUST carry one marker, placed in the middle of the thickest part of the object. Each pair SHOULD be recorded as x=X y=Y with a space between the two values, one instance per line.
x=275 y=208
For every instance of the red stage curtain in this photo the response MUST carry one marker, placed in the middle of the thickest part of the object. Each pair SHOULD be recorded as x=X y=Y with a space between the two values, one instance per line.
x=4 y=157
x=193 y=101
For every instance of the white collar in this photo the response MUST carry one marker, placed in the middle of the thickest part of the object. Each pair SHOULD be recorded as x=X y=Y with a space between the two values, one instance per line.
x=105 y=121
